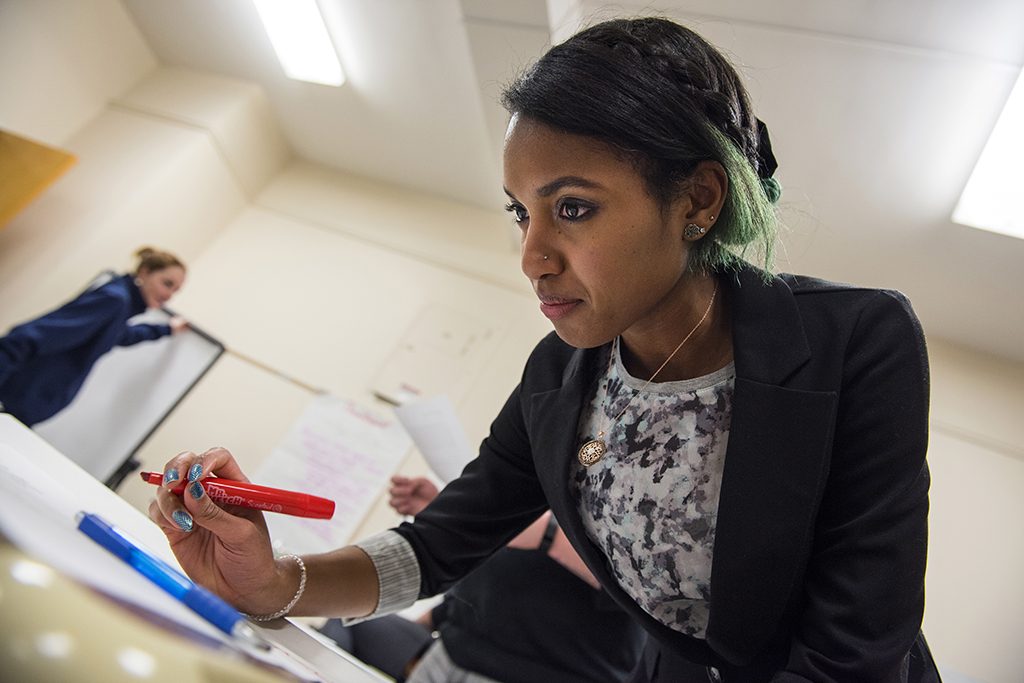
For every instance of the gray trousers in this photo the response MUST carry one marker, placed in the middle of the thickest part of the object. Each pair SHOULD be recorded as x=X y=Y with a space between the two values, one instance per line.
x=437 y=667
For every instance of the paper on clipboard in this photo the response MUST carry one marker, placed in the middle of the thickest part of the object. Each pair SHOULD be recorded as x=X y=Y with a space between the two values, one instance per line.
x=438 y=434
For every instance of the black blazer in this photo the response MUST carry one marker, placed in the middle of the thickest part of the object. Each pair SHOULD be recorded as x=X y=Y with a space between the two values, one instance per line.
x=820 y=545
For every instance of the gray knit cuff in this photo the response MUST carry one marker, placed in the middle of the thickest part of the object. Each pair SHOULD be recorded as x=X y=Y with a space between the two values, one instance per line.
x=398 y=573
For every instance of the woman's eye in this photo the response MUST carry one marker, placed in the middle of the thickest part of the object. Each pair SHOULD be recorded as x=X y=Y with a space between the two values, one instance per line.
x=518 y=212
x=573 y=211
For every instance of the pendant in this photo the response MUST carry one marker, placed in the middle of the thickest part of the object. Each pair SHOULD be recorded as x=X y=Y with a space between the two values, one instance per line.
x=592 y=451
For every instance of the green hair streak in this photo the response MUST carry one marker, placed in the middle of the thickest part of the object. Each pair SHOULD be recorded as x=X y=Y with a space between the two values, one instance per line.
x=747 y=227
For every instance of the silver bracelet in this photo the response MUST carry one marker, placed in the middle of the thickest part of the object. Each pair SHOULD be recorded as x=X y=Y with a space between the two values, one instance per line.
x=295 y=598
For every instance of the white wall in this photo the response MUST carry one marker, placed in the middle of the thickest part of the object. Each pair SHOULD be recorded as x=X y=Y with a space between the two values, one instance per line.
x=464 y=238
x=974 y=590
x=62 y=60
x=79 y=75
x=235 y=115
x=139 y=180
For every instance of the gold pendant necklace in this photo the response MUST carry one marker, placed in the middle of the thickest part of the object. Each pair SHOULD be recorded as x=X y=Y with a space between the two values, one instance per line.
x=592 y=451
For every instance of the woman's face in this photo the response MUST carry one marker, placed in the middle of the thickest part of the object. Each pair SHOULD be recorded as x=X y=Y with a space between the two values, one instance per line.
x=603 y=256
x=158 y=286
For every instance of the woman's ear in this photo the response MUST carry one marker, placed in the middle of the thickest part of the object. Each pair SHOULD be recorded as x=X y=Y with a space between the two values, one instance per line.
x=707 y=188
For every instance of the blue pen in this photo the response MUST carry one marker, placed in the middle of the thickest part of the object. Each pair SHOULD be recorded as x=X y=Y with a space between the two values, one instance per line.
x=198 y=599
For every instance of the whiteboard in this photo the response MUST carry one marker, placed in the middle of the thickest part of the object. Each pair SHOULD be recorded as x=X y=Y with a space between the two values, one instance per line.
x=129 y=392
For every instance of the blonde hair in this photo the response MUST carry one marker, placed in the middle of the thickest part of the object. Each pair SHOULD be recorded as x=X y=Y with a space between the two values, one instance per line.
x=151 y=259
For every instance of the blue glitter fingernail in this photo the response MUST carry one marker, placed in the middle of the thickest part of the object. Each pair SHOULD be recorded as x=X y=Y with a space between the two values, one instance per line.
x=183 y=520
x=195 y=489
x=195 y=471
x=171 y=475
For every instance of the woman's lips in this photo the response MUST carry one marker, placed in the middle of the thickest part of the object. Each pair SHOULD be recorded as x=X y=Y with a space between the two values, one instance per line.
x=554 y=308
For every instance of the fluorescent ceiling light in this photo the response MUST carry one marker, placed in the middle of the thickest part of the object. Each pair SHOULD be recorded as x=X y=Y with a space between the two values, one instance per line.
x=992 y=198
x=299 y=36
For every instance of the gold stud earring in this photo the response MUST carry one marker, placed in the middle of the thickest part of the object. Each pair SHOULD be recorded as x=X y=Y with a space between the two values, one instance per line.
x=693 y=231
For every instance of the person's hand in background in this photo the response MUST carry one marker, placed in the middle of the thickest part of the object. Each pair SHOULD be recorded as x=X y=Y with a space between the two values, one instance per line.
x=409 y=495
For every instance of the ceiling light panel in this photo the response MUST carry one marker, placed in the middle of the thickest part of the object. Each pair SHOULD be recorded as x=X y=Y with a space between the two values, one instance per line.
x=992 y=198
x=297 y=31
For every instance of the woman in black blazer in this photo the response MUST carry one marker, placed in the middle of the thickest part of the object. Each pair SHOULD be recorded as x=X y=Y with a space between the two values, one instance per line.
x=739 y=458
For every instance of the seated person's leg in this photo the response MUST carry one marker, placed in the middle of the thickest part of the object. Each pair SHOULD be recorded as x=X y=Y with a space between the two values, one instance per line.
x=388 y=643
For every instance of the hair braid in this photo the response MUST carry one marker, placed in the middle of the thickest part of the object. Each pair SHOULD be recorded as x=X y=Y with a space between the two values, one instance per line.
x=665 y=98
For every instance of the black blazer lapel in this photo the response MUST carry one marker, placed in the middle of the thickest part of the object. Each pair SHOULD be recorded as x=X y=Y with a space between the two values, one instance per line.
x=552 y=424
x=553 y=421
x=775 y=469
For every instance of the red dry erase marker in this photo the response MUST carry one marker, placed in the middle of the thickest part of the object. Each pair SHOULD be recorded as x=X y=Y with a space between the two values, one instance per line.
x=231 y=492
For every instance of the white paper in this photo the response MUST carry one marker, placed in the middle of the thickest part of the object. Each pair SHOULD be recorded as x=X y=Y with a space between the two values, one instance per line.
x=438 y=434
x=340 y=450
x=41 y=493
x=438 y=353
x=38 y=516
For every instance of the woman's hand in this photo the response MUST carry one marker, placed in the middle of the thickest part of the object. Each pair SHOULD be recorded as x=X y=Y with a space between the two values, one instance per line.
x=226 y=550
x=178 y=324
x=409 y=495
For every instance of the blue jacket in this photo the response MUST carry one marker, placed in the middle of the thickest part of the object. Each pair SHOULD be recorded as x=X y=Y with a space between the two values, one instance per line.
x=44 y=362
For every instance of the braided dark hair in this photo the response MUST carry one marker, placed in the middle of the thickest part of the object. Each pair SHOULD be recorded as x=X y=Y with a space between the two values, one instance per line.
x=668 y=100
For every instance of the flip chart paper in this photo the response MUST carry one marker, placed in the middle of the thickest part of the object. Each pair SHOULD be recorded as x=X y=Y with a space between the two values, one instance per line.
x=340 y=450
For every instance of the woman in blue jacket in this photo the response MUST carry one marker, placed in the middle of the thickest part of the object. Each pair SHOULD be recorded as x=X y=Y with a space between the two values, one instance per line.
x=44 y=362
x=738 y=457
